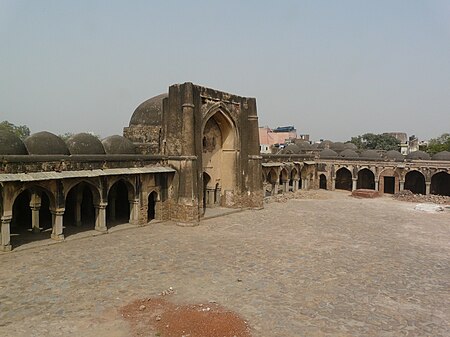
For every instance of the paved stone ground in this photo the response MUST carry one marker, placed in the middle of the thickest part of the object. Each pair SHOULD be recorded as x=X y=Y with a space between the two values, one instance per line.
x=338 y=266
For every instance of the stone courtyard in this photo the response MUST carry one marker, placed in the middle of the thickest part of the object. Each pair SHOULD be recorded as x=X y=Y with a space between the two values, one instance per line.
x=324 y=265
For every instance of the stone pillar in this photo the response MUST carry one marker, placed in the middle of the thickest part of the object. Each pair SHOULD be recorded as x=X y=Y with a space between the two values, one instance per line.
x=376 y=185
x=402 y=185
x=100 y=217
x=295 y=185
x=285 y=186
x=333 y=184
x=35 y=206
x=304 y=184
x=427 y=187
x=5 y=235
x=275 y=188
x=354 y=183
x=57 y=225
x=134 y=211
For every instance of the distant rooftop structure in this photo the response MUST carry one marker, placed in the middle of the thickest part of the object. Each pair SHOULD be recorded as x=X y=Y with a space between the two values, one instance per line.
x=289 y=128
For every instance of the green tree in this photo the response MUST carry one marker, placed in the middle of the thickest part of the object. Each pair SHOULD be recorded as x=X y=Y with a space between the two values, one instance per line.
x=22 y=131
x=441 y=143
x=371 y=141
x=66 y=135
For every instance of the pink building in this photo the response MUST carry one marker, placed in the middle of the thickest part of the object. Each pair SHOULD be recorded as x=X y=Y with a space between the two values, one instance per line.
x=269 y=137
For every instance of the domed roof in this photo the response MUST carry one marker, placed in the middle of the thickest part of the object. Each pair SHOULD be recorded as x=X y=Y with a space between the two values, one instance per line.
x=10 y=144
x=418 y=155
x=348 y=153
x=350 y=146
x=315 y=146
x=443 y=155
x=326 y=144
x=149 y=112
x=303 y=144
x=118 y=145
x=337 y=146
x=85 y=143
x=394 y=155
x=291 y=149
x=370 y=154
x=45 y=143
x=327 y=153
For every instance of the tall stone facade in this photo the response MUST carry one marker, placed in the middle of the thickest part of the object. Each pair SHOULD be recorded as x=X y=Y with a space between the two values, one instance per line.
x=211 y=139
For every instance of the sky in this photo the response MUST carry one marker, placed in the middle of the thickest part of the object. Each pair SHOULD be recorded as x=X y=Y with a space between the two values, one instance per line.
x=333 y=69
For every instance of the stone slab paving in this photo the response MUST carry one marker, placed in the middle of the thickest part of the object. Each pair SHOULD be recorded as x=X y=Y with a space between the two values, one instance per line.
x=338 y=266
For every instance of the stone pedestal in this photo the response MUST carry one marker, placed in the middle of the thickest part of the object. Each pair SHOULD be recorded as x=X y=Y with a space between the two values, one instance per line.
x=35 y=219
x=427 y=187
x=354 y=183
x=134 y=211
x=295 y=185
x=100 y=217
x=57 y=226
x=5 y=235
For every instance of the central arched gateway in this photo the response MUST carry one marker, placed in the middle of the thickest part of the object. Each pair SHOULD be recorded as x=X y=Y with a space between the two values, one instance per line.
x=219 y=155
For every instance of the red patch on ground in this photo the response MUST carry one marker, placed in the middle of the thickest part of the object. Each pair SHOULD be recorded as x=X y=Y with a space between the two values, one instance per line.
x=166 y=319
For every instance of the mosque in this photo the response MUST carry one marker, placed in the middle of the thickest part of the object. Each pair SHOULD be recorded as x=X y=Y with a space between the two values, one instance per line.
x=183 y=151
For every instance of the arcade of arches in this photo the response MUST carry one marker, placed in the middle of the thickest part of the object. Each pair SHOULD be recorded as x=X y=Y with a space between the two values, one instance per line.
x=281 y=177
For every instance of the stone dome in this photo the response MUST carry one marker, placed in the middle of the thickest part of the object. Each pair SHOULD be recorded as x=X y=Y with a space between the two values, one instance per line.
x=327 y=153
x=10 y=144
x=44 y=142
x=118 y=145
x=291 y=149
x=85 y=143
x=348 y=153
x=326 y=144
x=315 y=146
x=337 y=146
x=370 y=154
x=149 y=112
x=418 y=155
x=394 y=155
x=303 y=145
x=443 y=155
x=350 y=146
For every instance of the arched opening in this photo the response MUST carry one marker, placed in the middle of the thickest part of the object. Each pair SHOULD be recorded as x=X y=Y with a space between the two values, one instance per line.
x=217 y=191
x=80 y=211
x=323 y=182
x=271 y=179
x=293 y=180
x=206 y=194
x=31 y=217
x=415 y=182
x=21 y=217
x=45 y=216
x=118 y=209
x=366 y=179
x=151 y=206
x=219 y=155
x=283 y=179
x=440 y=184
x=343 y=179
